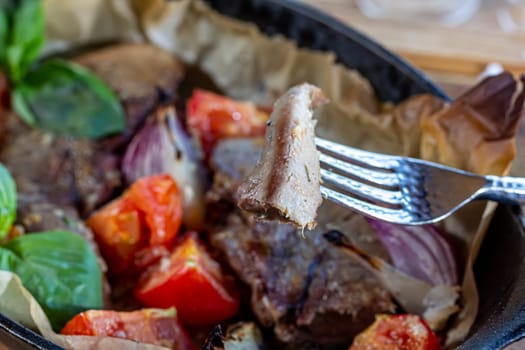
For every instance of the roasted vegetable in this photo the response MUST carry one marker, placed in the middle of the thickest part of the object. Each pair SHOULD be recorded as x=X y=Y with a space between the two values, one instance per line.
x=148 y=215
x=151 y=326
x=162 y=146
x=419 y=251
x=212 y=117
x=192 y=282
x=397 y=332
x=435 y=303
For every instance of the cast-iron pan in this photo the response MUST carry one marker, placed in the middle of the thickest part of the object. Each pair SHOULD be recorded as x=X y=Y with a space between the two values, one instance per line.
x=500 y=267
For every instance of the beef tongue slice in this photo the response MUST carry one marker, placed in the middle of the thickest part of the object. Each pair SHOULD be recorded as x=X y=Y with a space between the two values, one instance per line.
x=285 y=184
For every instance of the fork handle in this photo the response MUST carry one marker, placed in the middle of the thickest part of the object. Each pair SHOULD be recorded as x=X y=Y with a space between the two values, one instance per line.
x=504 y=189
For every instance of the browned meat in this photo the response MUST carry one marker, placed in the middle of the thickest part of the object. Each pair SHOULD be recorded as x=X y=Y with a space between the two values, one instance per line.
x=66 y=172
x=233 y=159
x=141 y=75
x=285 y=183
x=305 y=289
x=36 y=214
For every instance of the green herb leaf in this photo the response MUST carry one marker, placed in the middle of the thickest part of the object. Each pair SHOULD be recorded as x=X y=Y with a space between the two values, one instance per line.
x=22 y=109
x=7 y=201
x=22 y=26
x=59 y=269
x=65 y=98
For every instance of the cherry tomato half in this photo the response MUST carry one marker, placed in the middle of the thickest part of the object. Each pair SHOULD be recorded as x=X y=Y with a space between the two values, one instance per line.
x=133 y=228
x=151 y=326
x=397 y=332
x=118 y=229
x=159 y=199
x=212 y=117
x=192 y=282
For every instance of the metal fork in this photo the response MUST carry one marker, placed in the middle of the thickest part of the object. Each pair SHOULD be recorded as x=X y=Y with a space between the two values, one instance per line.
x=405 y=190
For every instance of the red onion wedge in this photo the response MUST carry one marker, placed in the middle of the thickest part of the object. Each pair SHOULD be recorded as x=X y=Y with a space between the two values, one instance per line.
x=435 y=303
x=422 y=252
x=163 y=146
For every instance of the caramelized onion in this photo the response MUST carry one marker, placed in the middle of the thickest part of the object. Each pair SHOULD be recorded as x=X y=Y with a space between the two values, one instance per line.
x=419 y=251
x=435 y=303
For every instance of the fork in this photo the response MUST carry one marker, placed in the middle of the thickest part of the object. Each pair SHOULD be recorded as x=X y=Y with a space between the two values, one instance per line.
x=405 y=190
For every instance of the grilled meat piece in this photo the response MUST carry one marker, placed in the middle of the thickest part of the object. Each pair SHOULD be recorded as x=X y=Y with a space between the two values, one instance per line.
x=305 y=289
x=36 y=214
x=233 y=159
x=64 y=171
x=285 y=184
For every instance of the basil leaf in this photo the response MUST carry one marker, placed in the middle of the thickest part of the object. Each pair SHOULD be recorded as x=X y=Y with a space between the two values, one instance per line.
x=59 y=269
x=7 y=201
x=65 y=98
x=22 y=32
x=22 y=109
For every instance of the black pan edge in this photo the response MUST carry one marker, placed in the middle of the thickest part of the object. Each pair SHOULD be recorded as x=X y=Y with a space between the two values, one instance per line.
x=16 y=336
x=500 y=276
x=392 y=77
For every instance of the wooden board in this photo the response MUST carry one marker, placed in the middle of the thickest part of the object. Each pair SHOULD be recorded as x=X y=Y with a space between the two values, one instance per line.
x=464 y=50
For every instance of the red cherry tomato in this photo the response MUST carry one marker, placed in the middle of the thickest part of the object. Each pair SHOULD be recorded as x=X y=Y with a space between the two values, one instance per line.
x=132 y=229
x=119 y=232
x=397 y=332
x=151 y=326
x=159 y=199
x=212 y=117
x=192 y=282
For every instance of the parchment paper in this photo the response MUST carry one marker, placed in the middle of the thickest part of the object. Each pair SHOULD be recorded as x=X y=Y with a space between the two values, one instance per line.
x=247 y=65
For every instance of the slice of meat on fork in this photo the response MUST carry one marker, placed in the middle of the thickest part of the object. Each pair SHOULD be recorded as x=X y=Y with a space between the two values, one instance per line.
x=285 y=184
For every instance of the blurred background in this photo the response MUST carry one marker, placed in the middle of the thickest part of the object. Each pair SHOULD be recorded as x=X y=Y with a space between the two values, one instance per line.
x=453 y=41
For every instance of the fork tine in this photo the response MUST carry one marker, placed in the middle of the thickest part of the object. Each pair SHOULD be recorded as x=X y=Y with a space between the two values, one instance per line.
x=360 y=206
x=353 y=155
x=377 y=177
x=363 y=190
